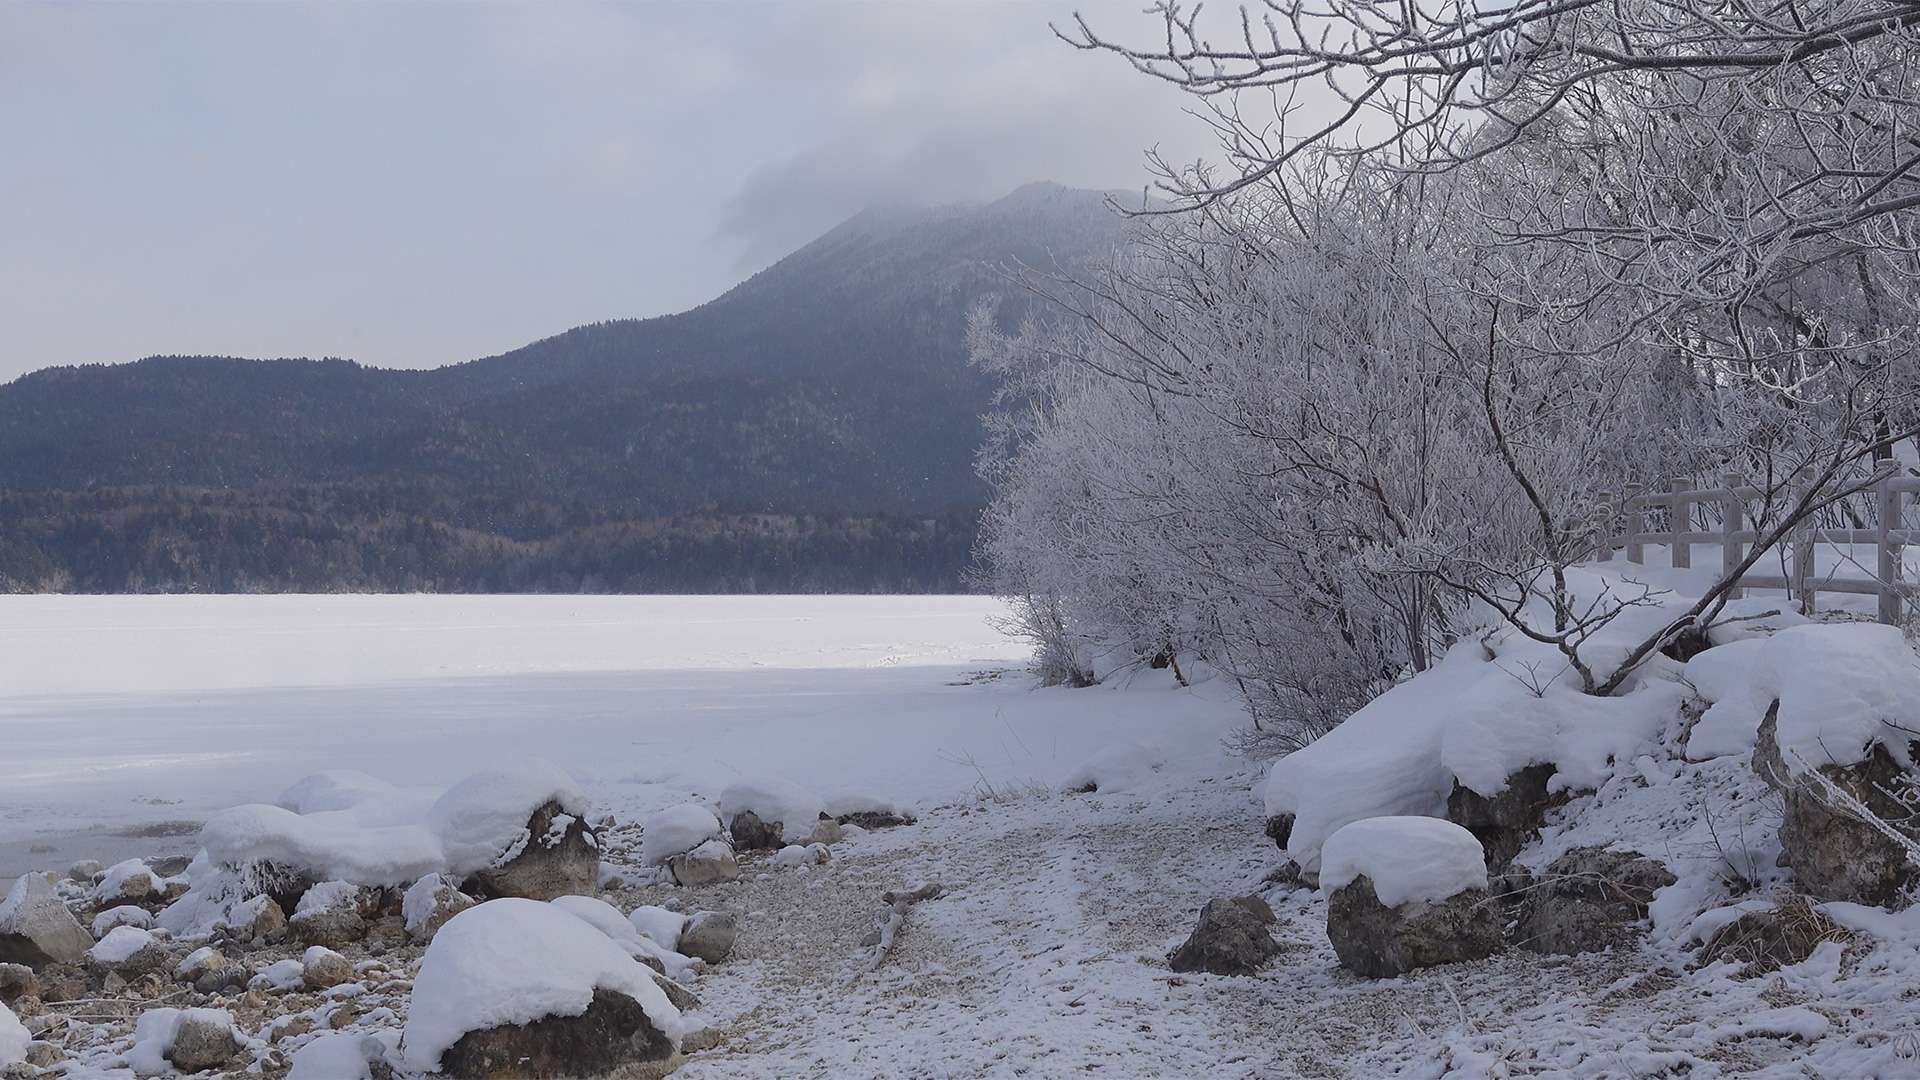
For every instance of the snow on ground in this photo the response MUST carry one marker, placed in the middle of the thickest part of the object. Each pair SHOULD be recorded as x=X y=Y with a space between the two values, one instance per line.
x=1045 y=956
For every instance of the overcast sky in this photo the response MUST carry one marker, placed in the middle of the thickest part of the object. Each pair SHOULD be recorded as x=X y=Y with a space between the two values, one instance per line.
x=418 y=185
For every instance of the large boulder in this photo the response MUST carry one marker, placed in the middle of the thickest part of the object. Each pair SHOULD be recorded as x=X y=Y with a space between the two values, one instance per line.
x=1588 y=900
x=1503 y=823
x=1407 y=893
x=36 y=929
x=1835 y=852
x=708 y=935
x=515 y=988
x=1231 y=938
x=559 y=857
x=129 y=882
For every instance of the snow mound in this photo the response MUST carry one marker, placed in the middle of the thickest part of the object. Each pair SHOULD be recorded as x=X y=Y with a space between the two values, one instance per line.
x=1842 y=688
x=658 y=925
x=1407 y=859
x=513 y=961
x=387 y=855
x=357 y=798
x=1499 y=726
x=1120 y=767
x=154 y=1033
x=339 y=1056
x=486 y=813
x=794 y=807
x=863 y=801
x=13 y=1038
x=675 y=831
x=352 y=827
x=120 y=943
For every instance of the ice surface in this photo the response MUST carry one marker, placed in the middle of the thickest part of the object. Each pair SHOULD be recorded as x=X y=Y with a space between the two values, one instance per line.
x=676 y=830
x=513 y=961
x=794 y=807
x=1408 y=859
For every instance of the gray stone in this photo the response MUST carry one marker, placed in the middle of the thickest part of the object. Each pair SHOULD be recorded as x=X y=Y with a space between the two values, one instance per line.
x=1380 y=942
x=708 y=935
x=200 y=1044
x=561 y=857
x=17 y=981
x=1230 y=939
x=614 y=1032
x=874 y=819
x=232 y=976
x=679 y=996
x=256 y=919
x=1280 y=830
x=1833 y=853
x=44 y=1055
x=1505 y=822
x=827 y=832
x=36 y=929
x=331 y=928
x=710 y=862
x=751 y=834
x=85 y=871
x=1589 y=900
x=170 y=865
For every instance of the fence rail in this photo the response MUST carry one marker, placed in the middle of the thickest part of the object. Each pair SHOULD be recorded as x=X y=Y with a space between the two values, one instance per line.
x=1686 y=512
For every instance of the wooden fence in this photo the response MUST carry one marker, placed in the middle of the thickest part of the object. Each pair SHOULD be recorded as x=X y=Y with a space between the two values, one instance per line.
x=1684 y=516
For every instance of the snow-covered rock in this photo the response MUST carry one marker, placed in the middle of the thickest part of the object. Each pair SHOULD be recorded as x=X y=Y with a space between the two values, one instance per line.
x=496 y=968
x=866 y=808
x=128 y=951
x=1587 y=900
x=36 y=928
x=129 y=882
x=708 y=935
x=1116 y=768
x=321 y=968
x=485 y=816
x=323 y=847
x=281 y=975
x=676 y=831
x=332 y=913
x=199 y=962
x=1231 y=938
x=188 y=1040
x=1409 y=859
x=788 y=812
x=124 y=915
x=337 y=1056
x=429 y=903
x=710 y=862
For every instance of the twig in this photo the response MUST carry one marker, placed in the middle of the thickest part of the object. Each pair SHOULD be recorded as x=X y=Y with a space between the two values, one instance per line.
x=893 y=918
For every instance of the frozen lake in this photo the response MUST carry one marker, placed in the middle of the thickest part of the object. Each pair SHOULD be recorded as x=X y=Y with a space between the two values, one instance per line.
x=127 y=720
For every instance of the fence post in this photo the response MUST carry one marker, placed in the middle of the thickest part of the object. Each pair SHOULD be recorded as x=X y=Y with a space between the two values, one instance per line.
x=1733 y=518
x=1604 y=512
x=1635 y=520
x=1680 y=522
x=1889 y=569
x=1803 y=537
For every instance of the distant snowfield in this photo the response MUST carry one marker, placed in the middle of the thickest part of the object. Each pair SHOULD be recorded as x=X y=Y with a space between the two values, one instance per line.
x=127 y=720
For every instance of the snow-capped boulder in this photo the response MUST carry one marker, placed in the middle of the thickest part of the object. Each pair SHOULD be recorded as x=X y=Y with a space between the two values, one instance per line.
x=86 y=871
x=517 y=987
x=1588 y=900
x=36 y=929
x=1231 y=938
x=520 y=830
x=659 y=925
x=1407 y=893
x=128 y=952
x=676 y=831
x=710 y=862
x=198 y=963
x=764 y=813
x=429 y=903
x=1835 y=854
x=339 y=1056
x=802 y=855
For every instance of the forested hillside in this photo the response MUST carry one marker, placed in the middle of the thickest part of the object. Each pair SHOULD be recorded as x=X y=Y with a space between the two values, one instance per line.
x=814 y=429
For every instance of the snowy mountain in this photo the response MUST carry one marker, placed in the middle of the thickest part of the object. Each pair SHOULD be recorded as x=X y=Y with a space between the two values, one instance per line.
x=833 y=383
